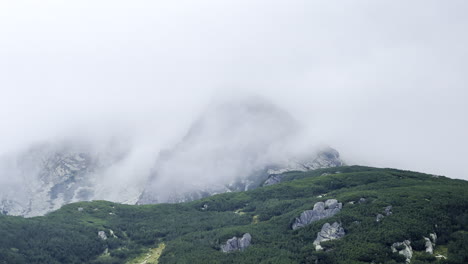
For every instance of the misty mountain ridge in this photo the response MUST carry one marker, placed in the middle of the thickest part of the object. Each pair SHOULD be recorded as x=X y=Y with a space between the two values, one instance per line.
x=233 y=146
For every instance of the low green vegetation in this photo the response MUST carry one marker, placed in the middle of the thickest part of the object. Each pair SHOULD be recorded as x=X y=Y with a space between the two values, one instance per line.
x=193 y=232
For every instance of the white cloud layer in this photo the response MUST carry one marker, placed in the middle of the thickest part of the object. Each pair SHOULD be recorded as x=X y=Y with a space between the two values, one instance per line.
x=384 y=82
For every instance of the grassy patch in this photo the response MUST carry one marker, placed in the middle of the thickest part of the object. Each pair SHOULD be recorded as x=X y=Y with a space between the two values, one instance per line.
x=149 y=257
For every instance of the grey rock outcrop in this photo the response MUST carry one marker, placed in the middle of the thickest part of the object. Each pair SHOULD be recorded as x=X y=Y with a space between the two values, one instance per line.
x=102 y=235
x=325 y=158
x=321 y=210
x=50 y=175
x=237 y=244
x=273 y=179
x=379 y=217
x=388 y=210
x=429 y=247
x=362 y=200
x=430 y=243
x=403 y=248
x=329 y=232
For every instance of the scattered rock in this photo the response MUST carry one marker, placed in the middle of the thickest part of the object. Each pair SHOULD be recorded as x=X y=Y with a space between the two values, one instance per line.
x=237 y=244
x=112 y=233
x=205 y=207
x=80 y=209
x=379 y=218
x=388 y=210
x=403 y=248
x=102 y=235
x=328 y=232
x=362 y=200
x=321 y=210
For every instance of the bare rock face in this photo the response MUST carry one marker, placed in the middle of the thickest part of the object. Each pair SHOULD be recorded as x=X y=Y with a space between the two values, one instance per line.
x=321 y=210
x=403 y=248
x=328 y=232
x=237 y=244
x=50 y=175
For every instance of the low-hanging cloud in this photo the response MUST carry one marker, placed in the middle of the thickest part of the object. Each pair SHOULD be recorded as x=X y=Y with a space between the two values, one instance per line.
x=382 y=82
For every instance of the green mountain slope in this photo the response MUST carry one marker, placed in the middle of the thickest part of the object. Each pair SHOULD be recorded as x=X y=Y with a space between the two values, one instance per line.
x=193 y=232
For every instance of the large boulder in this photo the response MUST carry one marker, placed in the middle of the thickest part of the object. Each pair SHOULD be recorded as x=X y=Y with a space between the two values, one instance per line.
x=237 y=244
x=321 y=210
x=328 y=232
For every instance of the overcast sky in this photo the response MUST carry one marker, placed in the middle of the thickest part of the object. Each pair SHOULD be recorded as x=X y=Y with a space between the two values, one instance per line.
x=383 y=82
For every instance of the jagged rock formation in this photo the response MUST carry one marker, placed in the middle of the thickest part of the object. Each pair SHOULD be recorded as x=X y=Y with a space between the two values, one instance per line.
x=326 y=158
x=321 y=210
x=50 y=176
x=220 y=153
x=243 y=141
x=237 y=244
x=403 y=248
x=328 y=232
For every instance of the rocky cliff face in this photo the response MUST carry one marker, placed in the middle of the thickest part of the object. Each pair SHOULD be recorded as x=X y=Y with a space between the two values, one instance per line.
x=234 y=146
x=50 y=176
